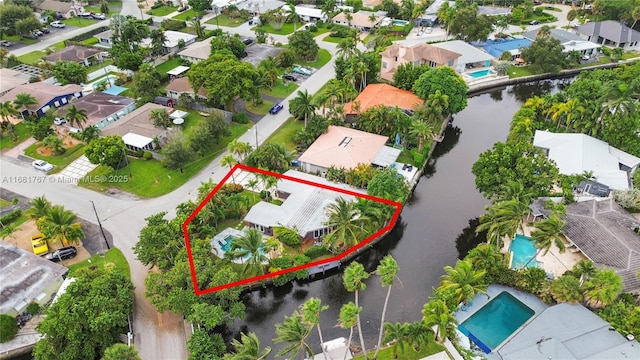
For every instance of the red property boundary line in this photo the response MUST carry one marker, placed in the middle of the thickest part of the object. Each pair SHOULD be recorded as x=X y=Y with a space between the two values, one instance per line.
x=366 y=241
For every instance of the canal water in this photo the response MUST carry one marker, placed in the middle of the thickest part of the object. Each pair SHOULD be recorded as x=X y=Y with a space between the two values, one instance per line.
x=435 y=228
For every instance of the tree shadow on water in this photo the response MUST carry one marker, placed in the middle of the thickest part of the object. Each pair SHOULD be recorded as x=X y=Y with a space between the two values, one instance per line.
x=451 y=137
x=469 y=239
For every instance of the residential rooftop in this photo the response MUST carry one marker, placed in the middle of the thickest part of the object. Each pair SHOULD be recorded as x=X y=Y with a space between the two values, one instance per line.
x=383 y=94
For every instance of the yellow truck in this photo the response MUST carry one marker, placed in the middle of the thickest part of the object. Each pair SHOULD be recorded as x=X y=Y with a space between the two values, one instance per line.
x=39 y=244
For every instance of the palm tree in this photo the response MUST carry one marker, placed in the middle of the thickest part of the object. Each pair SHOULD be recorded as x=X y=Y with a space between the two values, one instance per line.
x=249 y=245
x=295 y=332
x=348 y=318
x=293 y=16
x=24 y=101
x=347 y=224
x=485 y=257
x=436 y=313
x=239 y=148
x=387 y=270
x=253 y=185
x=230 y=161
x=60 y=225
x=198 y=28
x=302 y=106
x=248 y=348
x=269 y=68
x=353 y=279
x=90 y=133
x=7 y=109
x=347 y=48
x=310 y=311
x=76 y=116
x=463 y=281
x=503 y=218
x=547 y=233
x=399 y=334
x=8 y=231
x=566 y=288
x=40 y=207
x=583 y=269
x=423 y=131
x=158 y=40
x=602 y=289
x=514 y=189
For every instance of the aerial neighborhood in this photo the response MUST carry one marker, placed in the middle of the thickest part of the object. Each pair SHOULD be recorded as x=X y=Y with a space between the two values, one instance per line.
x=360 y=179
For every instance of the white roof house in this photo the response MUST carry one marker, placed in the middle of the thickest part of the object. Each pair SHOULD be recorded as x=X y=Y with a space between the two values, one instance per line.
x=579 y=153
x=468 y=54
x=196 y=52
x=173 y=39
x=307 y=13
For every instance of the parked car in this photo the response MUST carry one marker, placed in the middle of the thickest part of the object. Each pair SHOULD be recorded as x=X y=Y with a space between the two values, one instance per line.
x=59 y=121
x=39 y=244
x=247 y=41
x=42 y=165
x=64 y=253
x=37 y=33
x=86 y=15
x=45 y=30
x=58 y=24
x=99 y=16
x=276 y=109
x=5 y=43
x=534 y=22
x=183 y=8
x=289 y=77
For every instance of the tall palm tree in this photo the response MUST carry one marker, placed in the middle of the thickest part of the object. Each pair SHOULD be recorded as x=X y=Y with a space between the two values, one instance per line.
x=293 y=16
x=24 y=101
x=198 y=28
x=249 y=245
x=302 y=106
x=485 y=257
x=399 y=334
x=158 y=41
x=347 y=319
x=436 y=313
x=347 y=48
x=514 y=189
x=387 y=270
x=76 y=116
x=7 y=109
x=60 y=225
x=295 y=332
x=583 y=269
x=566 y=288
x=463 y=281
x=310 y=312
x=503 y=218
x=248 y=348
x=547 y=233
x=602 y=289
x=353 y=279
x=347 y=224
x=40 y=207
x=423 y=131
x=230 y=161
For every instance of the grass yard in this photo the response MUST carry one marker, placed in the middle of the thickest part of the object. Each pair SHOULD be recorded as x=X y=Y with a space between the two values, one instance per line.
x=34 y=57
x=284 y=134
x=22 y=132
x=519 y=71
x=90 y=41
x=96 y=9
x=285 y=30
x=113 y=256
x=79 y=22
x=162 y=10
x=280 y=90
x=168 y=65
x=323 y=58
x=187 y=15
x=225 y=20
x=60 y=161
x=261 y=109
x=408 y=353
x=331 y=39
x=4 y=203
x=149 y=179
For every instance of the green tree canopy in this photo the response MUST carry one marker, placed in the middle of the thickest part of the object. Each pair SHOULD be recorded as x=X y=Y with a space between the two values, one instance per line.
x=545 y=55
x=108 y=150
x=468 y=26
x=304 y=45
x=70 y=72
x=448 y=82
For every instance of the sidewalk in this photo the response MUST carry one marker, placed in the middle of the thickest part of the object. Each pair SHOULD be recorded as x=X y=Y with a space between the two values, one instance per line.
x=19 y=149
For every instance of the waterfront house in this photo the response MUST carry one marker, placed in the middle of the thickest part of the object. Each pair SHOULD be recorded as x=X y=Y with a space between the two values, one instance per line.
x=102 y=109
x=470 y=56
x=610 y=33
x=47 y=96
x=137 y=129
x=418 y=54
x=381 y=94
x=570 y=41
x=496 y=47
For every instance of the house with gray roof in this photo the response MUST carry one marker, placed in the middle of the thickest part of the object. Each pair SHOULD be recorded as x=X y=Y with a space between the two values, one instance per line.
x=610 y=33
x=605 y=233
x=570 y=41
x=137 y=130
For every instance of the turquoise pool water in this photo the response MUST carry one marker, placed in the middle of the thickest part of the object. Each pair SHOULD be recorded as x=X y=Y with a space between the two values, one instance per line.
x=400 y=22
x=226 y=246
x=496 y=321
x=480 y=73
x=523 y=250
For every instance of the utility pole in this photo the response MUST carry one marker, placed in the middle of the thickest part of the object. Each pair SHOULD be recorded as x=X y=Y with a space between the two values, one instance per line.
x=100 y=224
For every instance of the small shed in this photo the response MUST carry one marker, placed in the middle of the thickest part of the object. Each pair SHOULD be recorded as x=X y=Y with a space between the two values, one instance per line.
x=178 y=71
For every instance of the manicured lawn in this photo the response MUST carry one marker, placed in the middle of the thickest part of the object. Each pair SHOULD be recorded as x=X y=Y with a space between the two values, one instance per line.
x=32 y=58
x=162 y=10
x=150 y=179
x=285 y=30
x=79 y=22
x=280 y=90
x=113 y=256
x=519 y=71
x=103 y=64
x=187 y=15
x=60 y=161
x=261 y=109
x=225 y=20
x=96 y=9
x=4 y=203
x=168 y=65
x=331 y=39
x=90 y=41
x=6 y=142
x=408 y=354
x=323 y=58
x=284 y=134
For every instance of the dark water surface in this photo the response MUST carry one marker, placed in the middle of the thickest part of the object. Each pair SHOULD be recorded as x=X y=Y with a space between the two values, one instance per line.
x=442 y=212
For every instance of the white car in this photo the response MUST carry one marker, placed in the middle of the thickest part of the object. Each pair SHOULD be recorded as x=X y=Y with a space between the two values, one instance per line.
x=42 y=165
x=58 y=24
x=59 y=121
x=99 y=16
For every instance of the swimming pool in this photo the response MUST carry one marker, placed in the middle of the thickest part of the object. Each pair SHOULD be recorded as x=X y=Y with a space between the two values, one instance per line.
x=108 y=79
x=225 y=246
x=496 y=321
x=481 y=73
x=522 y=250
x=400 y=23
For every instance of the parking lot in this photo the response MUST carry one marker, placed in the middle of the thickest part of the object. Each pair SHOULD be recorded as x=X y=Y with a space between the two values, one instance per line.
x=258 y=52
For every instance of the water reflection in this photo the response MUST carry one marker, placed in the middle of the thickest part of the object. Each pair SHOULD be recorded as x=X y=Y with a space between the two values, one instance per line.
x=469 y=239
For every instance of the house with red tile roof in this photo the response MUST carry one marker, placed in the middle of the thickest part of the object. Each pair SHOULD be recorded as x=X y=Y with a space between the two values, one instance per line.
x=418 y=54
x=381 y=94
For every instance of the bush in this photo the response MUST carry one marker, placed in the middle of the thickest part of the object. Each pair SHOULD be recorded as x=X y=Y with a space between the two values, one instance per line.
x=33 y=308
x=330 y=25
x=265 y=195
x=288 y=236
x=313 y=28
x=11 y=217
x=341 y=31
x=147 y=155
x=240 y=118
x=8 y=328
x=418 y=158
x=175 y=25
x=228 y=189
x=317 y=251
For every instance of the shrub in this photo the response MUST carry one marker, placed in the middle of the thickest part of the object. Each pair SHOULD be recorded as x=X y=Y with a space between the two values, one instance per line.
x=8 y=328
x=11 y=217
x=265 y=195
x=313 y=28
x=240 y=118
x=228 y=189
x=317 y=251
x=147 y=155
x=33 y=308
x=288 y=236
x=175 y=25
